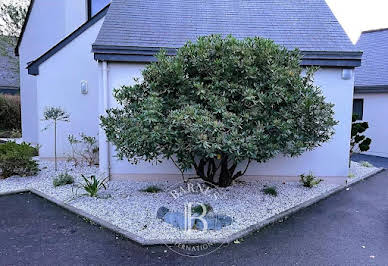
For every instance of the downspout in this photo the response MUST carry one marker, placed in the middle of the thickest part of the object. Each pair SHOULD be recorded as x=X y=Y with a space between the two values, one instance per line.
x=105 y=162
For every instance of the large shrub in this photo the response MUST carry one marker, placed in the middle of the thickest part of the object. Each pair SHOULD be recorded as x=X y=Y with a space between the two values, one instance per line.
x=10 y=114
x=218 y=103
x=16 y=159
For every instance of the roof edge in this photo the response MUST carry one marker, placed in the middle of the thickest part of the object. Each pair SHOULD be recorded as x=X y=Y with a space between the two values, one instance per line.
x=374 y=30
x=371 y=89
x=24 y=27
x=33 y=67
x=147 y=54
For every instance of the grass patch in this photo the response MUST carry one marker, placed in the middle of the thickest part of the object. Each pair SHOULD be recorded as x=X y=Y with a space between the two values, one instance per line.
x=152 y=189
x=270 y=191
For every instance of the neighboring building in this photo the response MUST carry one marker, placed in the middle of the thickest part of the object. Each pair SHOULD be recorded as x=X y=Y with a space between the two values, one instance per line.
x=113 y=47
x=9 y=67
x=371 y=89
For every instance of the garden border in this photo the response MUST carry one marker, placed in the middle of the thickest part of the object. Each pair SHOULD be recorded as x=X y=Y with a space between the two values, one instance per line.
x=226 y=240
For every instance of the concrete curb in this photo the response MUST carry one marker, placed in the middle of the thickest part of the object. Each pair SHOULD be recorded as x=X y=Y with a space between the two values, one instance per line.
x=227 y=240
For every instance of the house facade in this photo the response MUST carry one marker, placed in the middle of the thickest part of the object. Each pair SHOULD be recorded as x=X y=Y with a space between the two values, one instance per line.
x=371 y=89
x=111 y=47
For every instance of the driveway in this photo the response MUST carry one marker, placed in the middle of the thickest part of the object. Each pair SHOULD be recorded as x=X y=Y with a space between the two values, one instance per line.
x=349 y=228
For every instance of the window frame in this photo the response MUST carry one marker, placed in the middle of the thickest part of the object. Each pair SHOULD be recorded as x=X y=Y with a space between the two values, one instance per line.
x=89 y=9
x=359 y=117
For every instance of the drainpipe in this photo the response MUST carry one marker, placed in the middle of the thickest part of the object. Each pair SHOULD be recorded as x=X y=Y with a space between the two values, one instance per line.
x=104 y=144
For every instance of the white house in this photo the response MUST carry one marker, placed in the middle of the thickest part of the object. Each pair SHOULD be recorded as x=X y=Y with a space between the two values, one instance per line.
x=371 y=89
x=110 y=48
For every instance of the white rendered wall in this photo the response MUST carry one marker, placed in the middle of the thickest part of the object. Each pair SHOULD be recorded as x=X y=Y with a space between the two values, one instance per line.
x=59 y=85
x=376 y=114
x=329 y=160
x=49 y=22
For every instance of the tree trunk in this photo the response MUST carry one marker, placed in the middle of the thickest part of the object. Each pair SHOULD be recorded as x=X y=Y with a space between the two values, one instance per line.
x=55 y=145
x=222 y=175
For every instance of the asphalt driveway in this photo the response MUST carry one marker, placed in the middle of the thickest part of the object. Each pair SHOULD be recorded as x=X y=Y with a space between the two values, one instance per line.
x=349 y=228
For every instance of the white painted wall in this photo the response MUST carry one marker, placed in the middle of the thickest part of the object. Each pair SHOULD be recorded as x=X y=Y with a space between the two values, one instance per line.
x=49 y=22
x=59 y=84
x=376 y=114
x=329 y=160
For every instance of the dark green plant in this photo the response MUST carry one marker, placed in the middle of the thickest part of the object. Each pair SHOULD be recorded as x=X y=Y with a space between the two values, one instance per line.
x=55 y=114
x=270 y=191
x=151 y=189
x=63 y=179
x=217 y=104
x=16 y=159
x=92 y=185
x=309 y=180
x=198 y=209
x=358 y=141
x=10 y=112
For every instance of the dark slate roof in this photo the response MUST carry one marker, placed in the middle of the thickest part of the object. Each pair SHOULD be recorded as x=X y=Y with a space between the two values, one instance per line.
x=374 y=70
x=307 y=25
x=9 y=68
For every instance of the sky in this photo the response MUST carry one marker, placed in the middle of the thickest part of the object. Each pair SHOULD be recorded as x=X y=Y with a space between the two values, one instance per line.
x=355 y=16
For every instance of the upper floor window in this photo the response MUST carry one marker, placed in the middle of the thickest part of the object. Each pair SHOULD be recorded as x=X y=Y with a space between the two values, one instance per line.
x=358 y=108
x=95 y=6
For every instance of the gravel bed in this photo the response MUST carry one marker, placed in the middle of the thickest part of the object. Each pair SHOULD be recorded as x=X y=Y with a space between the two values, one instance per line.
x=124 y=205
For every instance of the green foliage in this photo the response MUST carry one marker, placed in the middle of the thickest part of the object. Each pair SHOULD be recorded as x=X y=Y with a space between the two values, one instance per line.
x=270 y=191
x=366 y=164
x=10 y=112
x=84 y=149
x=92 y=185
x=359 y=142
x=55 y=114
x=309 y=180
x=218 y=103
x=12 y=15
x=16 y=159
x=152 y=189
x=198 y=209
x=63 y=179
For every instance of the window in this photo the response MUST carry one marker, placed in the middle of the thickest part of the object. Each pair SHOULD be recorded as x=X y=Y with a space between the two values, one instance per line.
x=95 y=6
x=358 y=108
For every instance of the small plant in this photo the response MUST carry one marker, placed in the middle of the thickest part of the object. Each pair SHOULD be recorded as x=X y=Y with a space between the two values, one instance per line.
x=309 y=180
x=15 y=134
x=198 y=209
x=55 y=114
x=270 y=191
x=151 y=189
x=366 y=164
x=85 y=149
x=351 y=175
x=92 y=185
x=16 y=159
x=63 y=179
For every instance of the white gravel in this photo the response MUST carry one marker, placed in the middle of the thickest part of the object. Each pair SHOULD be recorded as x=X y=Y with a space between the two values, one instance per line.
x=123 y=205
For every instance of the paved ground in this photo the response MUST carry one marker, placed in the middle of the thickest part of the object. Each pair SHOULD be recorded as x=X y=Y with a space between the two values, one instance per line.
x=346 y=229
x=375 y=160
